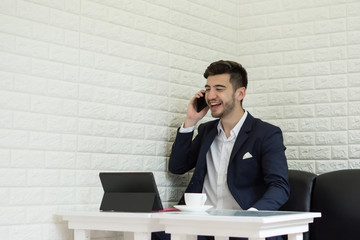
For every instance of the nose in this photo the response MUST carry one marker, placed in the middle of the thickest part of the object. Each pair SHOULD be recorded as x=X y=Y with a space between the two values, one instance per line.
x=210 y=94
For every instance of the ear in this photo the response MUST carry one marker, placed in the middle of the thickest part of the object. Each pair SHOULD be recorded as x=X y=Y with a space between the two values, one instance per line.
x=240 y=94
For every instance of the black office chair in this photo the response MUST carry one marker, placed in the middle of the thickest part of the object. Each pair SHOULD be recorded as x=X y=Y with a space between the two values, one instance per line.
x=301 y=185
x=337 y=196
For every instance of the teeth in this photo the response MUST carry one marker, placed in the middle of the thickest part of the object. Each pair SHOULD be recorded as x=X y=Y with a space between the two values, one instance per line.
x=214 y=104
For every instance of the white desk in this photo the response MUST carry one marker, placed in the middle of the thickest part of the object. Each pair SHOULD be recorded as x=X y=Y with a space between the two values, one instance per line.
x=186 y=226
x=231 y=223
x=136 y=226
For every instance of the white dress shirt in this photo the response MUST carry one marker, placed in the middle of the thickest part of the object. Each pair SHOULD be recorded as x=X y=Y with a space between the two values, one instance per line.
x=217 y=159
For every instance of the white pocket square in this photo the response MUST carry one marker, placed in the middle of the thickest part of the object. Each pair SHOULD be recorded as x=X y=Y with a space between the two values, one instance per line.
x=247 y=155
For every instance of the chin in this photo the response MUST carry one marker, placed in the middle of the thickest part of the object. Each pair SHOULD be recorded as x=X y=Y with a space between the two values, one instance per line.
x=216 y=115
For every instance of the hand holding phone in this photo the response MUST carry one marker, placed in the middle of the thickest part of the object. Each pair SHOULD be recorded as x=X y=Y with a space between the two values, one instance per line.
x=196 y=105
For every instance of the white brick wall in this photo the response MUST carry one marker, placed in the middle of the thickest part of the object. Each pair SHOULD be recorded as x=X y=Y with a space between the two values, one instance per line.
x=97 y=85
x=307 y=66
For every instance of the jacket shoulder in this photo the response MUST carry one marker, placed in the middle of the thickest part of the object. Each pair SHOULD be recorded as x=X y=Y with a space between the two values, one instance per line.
x=208 y=125
x=259 y=125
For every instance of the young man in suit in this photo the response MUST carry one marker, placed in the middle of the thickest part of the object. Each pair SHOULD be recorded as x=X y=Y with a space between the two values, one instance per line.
x=239 y=160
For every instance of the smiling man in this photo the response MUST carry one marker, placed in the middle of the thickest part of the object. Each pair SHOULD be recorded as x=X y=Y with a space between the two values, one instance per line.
x=239 y=160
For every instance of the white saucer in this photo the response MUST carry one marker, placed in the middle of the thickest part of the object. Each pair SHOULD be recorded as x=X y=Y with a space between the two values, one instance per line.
x=193 y=209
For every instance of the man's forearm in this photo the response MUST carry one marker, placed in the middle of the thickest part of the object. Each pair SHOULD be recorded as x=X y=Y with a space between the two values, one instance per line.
x=180 y=161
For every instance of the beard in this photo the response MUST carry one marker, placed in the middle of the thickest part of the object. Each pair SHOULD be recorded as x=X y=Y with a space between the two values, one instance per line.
x=228 y=108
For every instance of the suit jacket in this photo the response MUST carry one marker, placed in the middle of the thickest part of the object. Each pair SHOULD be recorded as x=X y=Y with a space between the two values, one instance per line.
x=260 y=181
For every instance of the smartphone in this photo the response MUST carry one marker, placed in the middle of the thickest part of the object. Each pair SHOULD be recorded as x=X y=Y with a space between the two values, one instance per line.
x=200 y=103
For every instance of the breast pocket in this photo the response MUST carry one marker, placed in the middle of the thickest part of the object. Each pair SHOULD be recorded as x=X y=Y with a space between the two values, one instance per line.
x=249 y=168
x=249 y=161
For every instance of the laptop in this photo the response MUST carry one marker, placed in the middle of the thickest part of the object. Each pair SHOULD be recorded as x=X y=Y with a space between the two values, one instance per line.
x=129 y=192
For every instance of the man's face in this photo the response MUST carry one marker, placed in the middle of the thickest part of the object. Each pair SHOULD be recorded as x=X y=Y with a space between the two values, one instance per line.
x=220 y=95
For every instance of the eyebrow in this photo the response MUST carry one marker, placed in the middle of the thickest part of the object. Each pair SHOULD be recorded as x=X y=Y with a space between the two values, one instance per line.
x=215 y=86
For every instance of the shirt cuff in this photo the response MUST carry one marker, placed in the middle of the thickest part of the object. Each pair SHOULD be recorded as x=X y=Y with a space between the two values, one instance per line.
x=186 y=130
x=252 y=209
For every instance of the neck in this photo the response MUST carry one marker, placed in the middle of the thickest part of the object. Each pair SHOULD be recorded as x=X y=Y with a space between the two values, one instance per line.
x=230 y=121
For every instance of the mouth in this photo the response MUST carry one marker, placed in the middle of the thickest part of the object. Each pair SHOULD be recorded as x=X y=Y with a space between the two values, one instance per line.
x=214 y=105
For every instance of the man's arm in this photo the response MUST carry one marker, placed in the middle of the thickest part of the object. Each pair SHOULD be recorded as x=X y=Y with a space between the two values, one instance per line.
x=184 y=151
x=275 y=170
x=182 y=157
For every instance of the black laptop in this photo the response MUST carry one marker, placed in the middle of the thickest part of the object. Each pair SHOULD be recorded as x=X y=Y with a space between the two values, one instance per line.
x=129 y=192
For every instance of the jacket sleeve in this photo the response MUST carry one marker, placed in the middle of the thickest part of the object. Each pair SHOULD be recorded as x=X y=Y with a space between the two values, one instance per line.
x=184 y=153
x=275 y=172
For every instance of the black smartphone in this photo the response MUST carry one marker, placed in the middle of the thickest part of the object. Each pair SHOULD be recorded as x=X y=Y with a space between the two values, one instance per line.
x=200 y=103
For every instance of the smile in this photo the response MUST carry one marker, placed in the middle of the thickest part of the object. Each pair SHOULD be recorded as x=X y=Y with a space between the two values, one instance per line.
x=214 y=103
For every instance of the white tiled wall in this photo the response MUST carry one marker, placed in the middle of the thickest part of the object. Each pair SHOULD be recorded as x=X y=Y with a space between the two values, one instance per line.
x=102 y=85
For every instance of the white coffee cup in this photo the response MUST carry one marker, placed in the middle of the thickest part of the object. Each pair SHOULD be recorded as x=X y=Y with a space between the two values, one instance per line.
x=195 y=199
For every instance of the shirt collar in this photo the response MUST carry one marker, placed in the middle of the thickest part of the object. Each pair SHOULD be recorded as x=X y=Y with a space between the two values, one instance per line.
x=235 y=131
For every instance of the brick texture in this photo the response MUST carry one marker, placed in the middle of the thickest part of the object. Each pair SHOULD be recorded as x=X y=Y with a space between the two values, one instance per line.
x=99 y=85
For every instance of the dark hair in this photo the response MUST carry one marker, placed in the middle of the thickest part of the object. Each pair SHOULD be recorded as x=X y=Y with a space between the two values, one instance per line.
x=238 y=74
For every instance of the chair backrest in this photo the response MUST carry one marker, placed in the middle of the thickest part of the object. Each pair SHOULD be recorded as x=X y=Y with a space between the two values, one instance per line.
x=301 y=185
x=337 y=196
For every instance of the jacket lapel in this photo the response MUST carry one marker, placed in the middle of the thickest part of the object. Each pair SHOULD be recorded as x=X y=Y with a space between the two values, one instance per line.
x=197 y=180
x=242 y=136
x=208 y=139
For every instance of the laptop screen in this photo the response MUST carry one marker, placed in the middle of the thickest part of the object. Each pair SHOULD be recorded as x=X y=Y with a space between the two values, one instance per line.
x=129 y=192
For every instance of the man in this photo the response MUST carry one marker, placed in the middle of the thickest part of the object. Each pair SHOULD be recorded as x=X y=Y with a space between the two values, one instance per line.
x=239 y=160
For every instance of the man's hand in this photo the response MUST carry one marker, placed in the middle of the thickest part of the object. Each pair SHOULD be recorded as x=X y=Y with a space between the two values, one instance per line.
x=192 y=116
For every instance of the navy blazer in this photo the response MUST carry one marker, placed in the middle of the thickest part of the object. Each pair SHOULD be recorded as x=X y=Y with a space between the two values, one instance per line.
x=260 y=181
